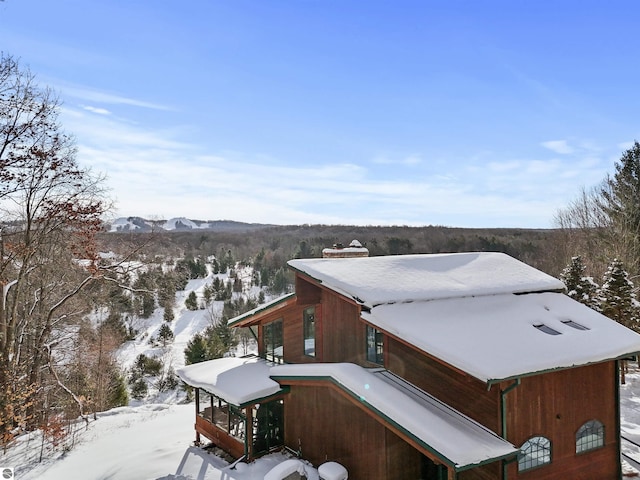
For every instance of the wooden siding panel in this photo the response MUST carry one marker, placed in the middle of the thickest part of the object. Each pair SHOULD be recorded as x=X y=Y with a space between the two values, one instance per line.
x=219 y=437
x=462 y=392
x=555 y=405
x=344 y=433
x=306 y=292
x=343 y=338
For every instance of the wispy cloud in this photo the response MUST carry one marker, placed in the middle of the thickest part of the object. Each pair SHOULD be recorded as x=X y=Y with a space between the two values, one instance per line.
x=98 y=96
x=99 y=111
x=407 y=160
x=558 y=146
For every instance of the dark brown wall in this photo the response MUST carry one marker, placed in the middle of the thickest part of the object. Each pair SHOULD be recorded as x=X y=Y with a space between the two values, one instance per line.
x=556 y=405
x=343 y=332
x=337 y=430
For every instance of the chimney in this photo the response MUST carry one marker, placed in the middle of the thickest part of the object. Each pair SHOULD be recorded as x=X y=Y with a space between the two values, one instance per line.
x=355 y=249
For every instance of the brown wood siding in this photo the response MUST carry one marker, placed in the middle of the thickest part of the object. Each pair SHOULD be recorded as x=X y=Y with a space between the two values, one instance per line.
x=337 y=430
x=293 y=341
x=219 y=437
x=555 y=405
x=307 y=292
x=343 y=333
x=462 y=392
x=492 y=471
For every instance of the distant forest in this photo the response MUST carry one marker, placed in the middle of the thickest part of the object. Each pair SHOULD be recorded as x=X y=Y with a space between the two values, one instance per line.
x=539 y=248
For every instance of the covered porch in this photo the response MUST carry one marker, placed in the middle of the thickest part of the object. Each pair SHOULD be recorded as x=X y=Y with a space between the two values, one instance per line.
x=237 y=406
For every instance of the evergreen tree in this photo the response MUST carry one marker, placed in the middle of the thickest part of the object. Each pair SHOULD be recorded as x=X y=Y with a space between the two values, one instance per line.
x=579 y=287
x=165 y=334
x=168 y=315
x=192 y=301
x=616 y=297
x=196 y=350
x=117 y=396
x=622 y=205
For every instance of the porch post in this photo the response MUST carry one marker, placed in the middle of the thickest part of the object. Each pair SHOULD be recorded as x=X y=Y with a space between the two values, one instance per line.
x=248 y=446
x=197 y=411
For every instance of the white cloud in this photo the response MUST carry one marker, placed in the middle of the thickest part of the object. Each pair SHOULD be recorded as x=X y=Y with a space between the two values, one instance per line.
x=558 y=146
x=99 y=111
x=98 y=96
x=408 y=160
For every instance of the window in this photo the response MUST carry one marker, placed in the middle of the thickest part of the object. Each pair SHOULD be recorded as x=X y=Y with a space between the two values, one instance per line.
x=590 y=436
x=309 y=331
x=575 y=325
x=374 y=345
x=272 y=341
x=535 y=452
x=546 y=329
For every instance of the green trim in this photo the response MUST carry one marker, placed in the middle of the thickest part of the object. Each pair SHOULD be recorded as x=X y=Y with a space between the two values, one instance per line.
x=494 y=381
x=268 y=398
x=378 y=413
x=503 y=405
x=261 y=309
x=282 y=391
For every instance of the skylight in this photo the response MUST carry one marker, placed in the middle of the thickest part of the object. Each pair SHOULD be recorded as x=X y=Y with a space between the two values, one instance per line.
x=575 y=325
x=546 y=329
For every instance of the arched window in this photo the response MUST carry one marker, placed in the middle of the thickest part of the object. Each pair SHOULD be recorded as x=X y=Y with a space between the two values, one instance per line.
x=590 y=436
x=534 y=452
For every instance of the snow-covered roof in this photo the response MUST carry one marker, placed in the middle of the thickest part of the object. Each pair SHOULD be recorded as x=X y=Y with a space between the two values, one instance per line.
x=236 y=321
x=494 y=337
x=235 y=380
x=403 y=278
x=455 y=437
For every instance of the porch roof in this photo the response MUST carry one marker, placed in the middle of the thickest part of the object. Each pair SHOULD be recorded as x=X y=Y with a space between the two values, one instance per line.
x=455 y=438
x=237 y=381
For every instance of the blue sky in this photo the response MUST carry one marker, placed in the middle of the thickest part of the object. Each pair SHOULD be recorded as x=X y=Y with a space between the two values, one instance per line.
x=460 y=113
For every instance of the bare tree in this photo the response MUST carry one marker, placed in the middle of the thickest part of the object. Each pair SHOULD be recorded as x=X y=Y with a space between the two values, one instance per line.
x=584 y=229
x=50 y=213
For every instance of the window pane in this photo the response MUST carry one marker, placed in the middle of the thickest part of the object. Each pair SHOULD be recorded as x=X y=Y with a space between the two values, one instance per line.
x=547 y=329
x=534 y=452
x=273 y=341
x=375 y=345
x=590 y=436
x=309 y=331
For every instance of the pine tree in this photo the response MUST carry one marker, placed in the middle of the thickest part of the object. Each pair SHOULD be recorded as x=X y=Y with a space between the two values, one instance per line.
x=580 y=287
x=622 y=195
x=168 y=315
x=192 y=301
x=165 y=334
x=196 y=350
x=616 y=297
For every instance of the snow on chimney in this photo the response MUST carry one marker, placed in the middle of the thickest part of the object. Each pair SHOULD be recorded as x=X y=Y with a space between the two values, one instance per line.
x=355 y=249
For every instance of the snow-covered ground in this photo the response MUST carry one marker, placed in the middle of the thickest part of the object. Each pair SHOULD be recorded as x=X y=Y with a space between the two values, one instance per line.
x=153 y=438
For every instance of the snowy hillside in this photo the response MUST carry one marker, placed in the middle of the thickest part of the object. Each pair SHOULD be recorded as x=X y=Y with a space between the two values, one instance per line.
x=138 y=224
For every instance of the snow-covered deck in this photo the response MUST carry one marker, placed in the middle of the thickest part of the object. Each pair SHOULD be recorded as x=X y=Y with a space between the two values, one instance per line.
x=460 y=441
x=238 y=381
x=494 y=337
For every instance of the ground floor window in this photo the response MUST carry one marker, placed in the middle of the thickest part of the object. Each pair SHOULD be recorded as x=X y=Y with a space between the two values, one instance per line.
x=590 y=436
x=535 y=452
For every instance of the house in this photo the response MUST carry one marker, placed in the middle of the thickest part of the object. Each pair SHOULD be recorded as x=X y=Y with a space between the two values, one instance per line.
x=446 y=366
